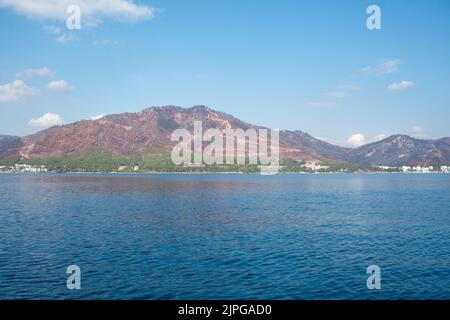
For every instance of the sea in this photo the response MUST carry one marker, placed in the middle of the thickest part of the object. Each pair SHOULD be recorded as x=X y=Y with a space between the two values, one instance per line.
x=225 y=236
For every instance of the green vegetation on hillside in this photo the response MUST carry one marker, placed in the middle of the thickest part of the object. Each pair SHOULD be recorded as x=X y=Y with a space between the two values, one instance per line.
x=158 y=160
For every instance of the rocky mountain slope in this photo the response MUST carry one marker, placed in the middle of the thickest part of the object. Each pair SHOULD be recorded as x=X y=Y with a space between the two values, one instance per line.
x=400 y=150
x=131 y=133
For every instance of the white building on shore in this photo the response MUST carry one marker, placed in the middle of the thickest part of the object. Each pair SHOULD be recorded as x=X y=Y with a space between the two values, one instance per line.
x=29 y=168
x=314 y=166
x=423 y=169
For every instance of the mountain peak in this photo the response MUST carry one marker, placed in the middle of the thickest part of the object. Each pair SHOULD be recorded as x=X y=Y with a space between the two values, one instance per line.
x=162 y=108
x=200 y=107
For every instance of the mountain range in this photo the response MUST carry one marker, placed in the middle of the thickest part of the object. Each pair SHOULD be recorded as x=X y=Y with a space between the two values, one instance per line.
x=131 y=133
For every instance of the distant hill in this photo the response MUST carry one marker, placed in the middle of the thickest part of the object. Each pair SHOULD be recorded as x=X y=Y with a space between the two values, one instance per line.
x=400 y=150
x=128 y=134
x=9 y=145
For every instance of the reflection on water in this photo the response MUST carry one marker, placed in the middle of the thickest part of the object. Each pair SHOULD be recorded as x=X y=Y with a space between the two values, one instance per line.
x=213 y=236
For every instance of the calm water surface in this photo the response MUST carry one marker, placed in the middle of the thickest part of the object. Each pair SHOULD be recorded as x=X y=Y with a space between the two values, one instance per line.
x=225 y=236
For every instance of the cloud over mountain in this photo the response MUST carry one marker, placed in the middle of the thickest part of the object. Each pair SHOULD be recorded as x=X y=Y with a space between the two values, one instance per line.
x=46 y=120
x=356 y=140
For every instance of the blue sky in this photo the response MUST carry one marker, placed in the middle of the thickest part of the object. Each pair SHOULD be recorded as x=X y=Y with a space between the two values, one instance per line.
x=312 y=66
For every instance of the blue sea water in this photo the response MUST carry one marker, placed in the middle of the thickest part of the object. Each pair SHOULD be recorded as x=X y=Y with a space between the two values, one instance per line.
x=225 y=236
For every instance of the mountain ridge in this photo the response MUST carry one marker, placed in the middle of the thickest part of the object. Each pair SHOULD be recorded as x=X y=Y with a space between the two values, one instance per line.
x=129 y=133
x=401 y=149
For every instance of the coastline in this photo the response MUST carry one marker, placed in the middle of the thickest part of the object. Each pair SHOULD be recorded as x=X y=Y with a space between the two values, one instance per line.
x=224 y=173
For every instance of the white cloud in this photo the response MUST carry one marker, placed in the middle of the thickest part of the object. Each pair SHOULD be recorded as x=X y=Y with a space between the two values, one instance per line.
x=356 y=140
x=337 y=94
x=99 y=116
x=418 y=132
x=39 y=72
x=59 y=85
x=15 y=91
x=319 y=104
x=402 y=85
x=384 y=67
x=47 y=120
x=92 y=11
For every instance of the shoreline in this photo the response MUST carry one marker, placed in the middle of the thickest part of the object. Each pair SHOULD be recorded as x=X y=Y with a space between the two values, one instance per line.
x=225 y=173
